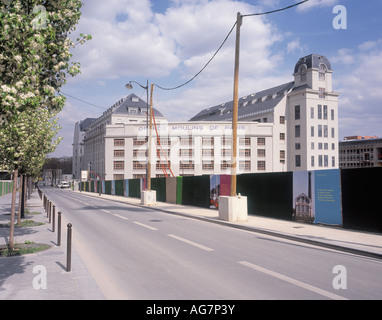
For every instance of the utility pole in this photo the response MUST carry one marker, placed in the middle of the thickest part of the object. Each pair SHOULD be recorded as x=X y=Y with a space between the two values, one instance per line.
x=235 y=107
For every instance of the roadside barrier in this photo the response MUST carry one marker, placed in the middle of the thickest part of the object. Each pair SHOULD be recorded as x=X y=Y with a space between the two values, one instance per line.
x=50 y=210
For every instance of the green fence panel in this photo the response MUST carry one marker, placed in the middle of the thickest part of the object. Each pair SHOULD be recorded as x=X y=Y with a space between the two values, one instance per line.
x=135 y=188
x=196 y=191
x=107 y=187
x=179 y=189
x=159 y=185
x=268 y=194
x=119 y=189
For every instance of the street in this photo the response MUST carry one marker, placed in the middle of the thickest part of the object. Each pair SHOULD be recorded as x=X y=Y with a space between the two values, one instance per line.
x=140 y=253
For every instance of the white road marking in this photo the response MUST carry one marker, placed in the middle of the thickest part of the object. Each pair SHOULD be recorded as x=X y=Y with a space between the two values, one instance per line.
x=145 y=225
x=107 y=211
x=117 y=215
x=195 y=244
x=293 y=281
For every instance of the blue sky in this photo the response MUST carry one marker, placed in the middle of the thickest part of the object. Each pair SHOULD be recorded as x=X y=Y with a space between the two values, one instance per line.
x=168 y=42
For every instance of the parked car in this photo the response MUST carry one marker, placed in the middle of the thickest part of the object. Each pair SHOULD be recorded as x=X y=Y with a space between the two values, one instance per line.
x=65 y=185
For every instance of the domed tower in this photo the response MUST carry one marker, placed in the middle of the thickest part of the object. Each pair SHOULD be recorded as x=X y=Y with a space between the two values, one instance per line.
x=314 y=71
x=313 y=116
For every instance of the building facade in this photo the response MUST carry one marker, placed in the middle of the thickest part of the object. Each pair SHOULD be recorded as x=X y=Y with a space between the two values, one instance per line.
x=360 y=152
x=291 y=127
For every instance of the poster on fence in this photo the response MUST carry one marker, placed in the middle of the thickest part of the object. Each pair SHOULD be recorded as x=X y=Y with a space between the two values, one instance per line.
x=328 y=197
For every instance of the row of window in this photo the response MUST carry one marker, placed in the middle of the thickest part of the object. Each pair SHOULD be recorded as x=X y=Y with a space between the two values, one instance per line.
x=323 y=161
x=189 y=165
x=322 y=131
x=322 y=113
x=206 y=141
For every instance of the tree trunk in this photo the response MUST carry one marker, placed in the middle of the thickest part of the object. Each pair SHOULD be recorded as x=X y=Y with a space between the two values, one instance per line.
x=12 y=227
x=20 y=201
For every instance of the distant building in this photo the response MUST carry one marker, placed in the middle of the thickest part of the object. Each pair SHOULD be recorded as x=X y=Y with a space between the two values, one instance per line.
x=360 y=152
x=290 y=127
x=78 y=147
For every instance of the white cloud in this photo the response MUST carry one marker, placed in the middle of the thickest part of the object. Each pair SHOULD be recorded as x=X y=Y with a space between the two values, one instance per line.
x=316 y=3
x=361 y=96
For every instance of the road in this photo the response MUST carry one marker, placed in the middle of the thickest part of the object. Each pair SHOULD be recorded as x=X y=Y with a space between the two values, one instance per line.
x=139 y=253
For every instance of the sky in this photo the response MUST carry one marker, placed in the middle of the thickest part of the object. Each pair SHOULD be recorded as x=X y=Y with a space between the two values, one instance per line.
x=168 y=42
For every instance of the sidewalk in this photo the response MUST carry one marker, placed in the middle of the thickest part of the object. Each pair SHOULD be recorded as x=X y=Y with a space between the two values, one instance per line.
x=352 y=241
x=18 y=273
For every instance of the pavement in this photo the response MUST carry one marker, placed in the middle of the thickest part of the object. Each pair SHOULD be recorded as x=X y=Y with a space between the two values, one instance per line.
x=23 y=277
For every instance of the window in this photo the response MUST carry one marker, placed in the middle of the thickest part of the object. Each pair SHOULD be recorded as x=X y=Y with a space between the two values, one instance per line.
x=322 y=70
x=282 y=136
x=311 y=113
x=333 y=161
x=119 y=165
x=297 y=131
x=261 y=153
x=312 y=161
x=186 y=141
x=298 y=160
x=119 y=142
x=320 y=160
x=282 y=154
x=207 y=141
x=333 y=132
x=321 y=93
x=186 y=165
x=325 y=131
x=320 y=130
x=244 y=152
x=282 y=120
x=186 y=152
x=297 y=112
x=297 y=146
x=208 y=165
x=138 y=165
x=208 y=152
x=160 y=165
x=138 y=142
x=139 y=153
x=226 y=141
x=245 y=165
x=245 y=141
x=312 y=131
x=261 y=165
x=224 y=165
x=325 y=112
x=119 y=153
x=326 y=160
x=320 y=146
x=119 y=176
x=332 y=114
x=312 y=145
x=226 y=152
x=319 y=111
x=261 y=141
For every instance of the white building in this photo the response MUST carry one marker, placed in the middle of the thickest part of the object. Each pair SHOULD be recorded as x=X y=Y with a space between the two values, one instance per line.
x=290 y=127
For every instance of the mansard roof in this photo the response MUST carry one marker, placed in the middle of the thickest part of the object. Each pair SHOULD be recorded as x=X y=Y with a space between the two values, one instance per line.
x=250 y=105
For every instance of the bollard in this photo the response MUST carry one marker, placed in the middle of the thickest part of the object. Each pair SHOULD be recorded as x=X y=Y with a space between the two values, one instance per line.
x=54 y=219
x=69 y=249
x=59 y=229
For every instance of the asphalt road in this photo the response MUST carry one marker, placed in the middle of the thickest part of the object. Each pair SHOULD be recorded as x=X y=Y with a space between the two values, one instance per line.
x=140 y=253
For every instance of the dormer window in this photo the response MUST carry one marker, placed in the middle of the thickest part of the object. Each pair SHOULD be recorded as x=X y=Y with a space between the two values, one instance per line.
x=322 y=71
x=302 y=71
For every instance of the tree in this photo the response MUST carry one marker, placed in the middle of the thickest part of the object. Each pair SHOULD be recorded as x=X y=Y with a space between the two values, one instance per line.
x=34 y=61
